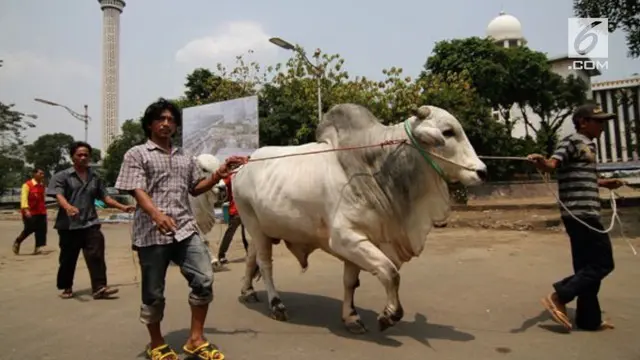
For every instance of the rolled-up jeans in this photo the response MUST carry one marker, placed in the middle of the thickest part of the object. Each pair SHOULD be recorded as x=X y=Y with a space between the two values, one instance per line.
x=192 y=257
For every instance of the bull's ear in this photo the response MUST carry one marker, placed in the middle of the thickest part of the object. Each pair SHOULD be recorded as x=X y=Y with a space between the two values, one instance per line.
x=429 y=135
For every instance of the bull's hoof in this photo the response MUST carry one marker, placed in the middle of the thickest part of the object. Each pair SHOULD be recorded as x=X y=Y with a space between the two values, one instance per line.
x=278 y=310
x=388 y=318
x=249 y=296
x=355 y=326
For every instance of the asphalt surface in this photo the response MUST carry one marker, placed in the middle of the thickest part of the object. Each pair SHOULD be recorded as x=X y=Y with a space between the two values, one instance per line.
x=473 y=294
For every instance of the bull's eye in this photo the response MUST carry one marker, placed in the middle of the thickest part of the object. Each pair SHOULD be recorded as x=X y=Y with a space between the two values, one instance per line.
x=448 y=133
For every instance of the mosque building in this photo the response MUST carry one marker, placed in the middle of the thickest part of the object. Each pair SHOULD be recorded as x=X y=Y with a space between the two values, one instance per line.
x=621 y=97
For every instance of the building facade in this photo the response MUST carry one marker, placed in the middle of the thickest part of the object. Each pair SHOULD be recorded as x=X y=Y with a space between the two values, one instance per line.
x=618 y=143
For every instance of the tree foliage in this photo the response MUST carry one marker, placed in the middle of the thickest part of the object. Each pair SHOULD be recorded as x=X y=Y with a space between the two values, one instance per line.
x=621 y=14
x=131 y=135
x=467 y=77
x=13 y=124
x=50 y=152
x=513 y=80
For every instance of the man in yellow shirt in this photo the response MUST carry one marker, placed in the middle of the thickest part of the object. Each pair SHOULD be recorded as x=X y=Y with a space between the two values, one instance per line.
x=34 y=212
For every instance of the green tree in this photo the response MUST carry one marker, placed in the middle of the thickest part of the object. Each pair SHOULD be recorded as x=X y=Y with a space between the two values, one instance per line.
x=201 y=84
x=557 y=99
x=505 y=77
x=12 y=126
x=502 y=76
x=96 y=155
x=621 y=15
x=131 y=135
x=50 y=152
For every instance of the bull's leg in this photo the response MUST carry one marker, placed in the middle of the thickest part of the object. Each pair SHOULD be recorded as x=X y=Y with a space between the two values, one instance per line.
x=264 y=248
x=247 y=293
x=350 y=316
x=359 y=250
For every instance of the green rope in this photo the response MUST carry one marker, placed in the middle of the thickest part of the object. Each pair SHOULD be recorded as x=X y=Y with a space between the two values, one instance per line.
x=425 y=155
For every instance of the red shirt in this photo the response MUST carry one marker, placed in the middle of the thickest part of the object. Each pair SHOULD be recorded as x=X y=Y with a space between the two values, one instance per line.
x=33 y=198
x=232 y=204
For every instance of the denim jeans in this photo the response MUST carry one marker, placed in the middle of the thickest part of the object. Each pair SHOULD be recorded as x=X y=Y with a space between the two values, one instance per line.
x=193 y=258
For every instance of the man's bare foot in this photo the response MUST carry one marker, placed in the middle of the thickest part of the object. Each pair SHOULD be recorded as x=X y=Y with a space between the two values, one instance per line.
x=557 y=310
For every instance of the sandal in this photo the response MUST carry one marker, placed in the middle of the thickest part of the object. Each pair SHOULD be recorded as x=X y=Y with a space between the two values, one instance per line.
x=16 y=248
x=557 y=315
x=162 y=352
x=66 y=294
x=205 y=351
x=104 y=292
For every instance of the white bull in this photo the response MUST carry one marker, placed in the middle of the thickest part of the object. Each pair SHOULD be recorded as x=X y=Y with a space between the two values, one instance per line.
x=203 y=205
x=372 y=208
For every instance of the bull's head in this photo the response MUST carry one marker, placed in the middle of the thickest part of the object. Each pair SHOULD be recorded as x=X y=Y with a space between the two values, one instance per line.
x=437 y=131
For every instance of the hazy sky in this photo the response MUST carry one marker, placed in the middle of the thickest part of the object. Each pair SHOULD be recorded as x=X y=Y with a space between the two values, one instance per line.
x=53 y=49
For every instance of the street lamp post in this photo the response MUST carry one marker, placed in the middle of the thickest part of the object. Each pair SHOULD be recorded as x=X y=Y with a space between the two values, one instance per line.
x=84 y=118
x=317 y=68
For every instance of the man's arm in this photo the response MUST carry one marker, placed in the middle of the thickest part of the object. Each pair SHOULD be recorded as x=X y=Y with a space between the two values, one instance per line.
x=200 y=185
x=206 y=184
x=561 y=155
x=24 y=198
x=108 y=200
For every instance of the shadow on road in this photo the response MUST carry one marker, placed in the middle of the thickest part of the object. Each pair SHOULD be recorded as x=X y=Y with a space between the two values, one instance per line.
x=541 y=317
x=321 y=311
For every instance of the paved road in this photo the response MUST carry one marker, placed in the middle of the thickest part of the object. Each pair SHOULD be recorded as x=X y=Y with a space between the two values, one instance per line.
x=473 y=294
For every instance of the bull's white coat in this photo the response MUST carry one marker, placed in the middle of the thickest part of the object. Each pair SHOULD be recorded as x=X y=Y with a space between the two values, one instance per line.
x=372 y=208
x=203 y=205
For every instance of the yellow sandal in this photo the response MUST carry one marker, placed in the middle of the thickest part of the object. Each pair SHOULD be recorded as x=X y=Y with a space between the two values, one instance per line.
x=162 y=352
x=205 y=351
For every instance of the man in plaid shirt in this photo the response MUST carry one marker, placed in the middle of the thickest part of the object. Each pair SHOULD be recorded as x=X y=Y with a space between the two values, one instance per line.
x=161 y=176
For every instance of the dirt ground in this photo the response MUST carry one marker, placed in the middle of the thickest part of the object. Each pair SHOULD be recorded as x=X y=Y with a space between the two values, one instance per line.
x=474 y=292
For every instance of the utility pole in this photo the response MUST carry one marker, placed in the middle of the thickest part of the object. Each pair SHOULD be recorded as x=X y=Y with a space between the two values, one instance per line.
x=84 y=118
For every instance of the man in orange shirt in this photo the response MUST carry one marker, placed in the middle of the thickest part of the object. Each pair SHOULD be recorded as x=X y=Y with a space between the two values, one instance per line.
x=234 y=222
x=34 y=212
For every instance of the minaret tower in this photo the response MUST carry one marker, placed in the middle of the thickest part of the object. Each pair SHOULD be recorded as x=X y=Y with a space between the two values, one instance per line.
x=111 y=10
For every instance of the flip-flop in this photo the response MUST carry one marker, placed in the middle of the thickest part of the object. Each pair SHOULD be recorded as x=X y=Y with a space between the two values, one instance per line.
x=162 y=352
x=205 y=351
x=556 y=314
x=67 y=294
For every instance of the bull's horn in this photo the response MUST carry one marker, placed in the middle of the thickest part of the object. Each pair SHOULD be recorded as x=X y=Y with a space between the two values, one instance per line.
x=423 y=112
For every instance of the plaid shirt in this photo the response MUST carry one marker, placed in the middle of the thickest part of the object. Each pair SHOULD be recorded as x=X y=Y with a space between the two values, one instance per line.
x=167 y=179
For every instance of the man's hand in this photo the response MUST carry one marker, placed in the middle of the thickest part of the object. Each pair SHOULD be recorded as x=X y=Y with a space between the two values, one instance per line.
x=611 y=184
x=128 y=208
x=536 y=158
x=231 y=163
x=26 y=213
x=72 y=210
x=540 y=162
x=165 y=224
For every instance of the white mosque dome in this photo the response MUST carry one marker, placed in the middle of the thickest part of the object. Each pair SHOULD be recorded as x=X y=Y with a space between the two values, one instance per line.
x=504 y=27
